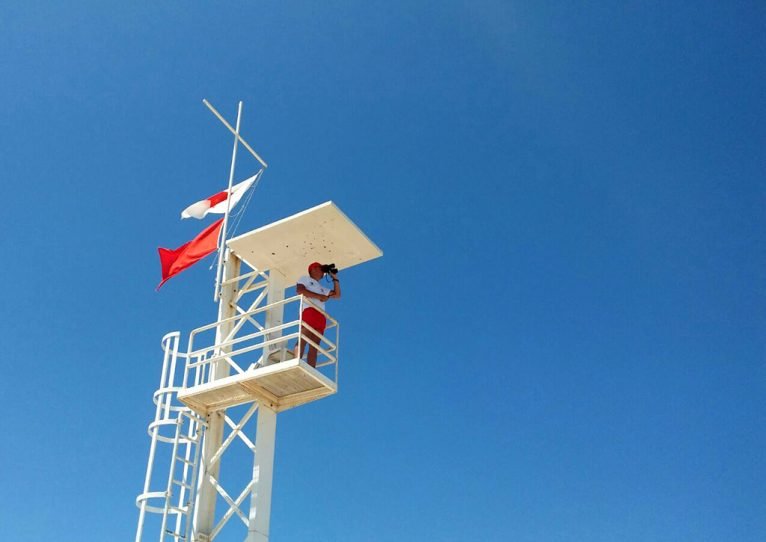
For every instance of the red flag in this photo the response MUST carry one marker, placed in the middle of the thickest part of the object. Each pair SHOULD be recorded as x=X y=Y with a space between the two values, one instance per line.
x=175 y=261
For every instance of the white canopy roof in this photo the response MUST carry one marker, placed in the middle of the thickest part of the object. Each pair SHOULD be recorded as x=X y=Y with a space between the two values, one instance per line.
x=322 y=233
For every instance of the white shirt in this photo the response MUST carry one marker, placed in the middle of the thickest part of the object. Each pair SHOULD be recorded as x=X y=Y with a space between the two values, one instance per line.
x=313 y=286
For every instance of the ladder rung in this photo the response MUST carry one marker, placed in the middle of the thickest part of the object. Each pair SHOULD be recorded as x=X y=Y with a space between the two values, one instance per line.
x=175 y=534
x=184 y=460
x=180 y=483
x=182 y=510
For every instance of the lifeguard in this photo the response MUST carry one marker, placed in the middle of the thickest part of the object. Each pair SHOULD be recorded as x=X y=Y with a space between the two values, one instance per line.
x=316 y=295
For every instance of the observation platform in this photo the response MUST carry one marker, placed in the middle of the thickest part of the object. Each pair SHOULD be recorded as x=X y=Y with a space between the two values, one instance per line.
x=283 y=248
x=280 y=386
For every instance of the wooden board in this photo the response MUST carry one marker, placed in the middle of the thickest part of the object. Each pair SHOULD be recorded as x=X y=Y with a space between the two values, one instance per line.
x=280 y=386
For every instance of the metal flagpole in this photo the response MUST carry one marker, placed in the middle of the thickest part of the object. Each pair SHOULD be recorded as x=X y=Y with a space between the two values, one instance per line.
x=222 y=247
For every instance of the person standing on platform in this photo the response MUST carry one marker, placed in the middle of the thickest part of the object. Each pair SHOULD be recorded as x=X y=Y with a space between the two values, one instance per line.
x=315 y=295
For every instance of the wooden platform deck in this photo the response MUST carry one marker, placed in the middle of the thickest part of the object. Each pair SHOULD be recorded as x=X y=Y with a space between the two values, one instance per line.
x=280 y=386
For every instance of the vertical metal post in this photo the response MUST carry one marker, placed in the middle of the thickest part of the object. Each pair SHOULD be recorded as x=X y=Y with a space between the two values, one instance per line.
x=222 y=240
x=263 y=472
x=204 y=518
x=266 y=432
x=275 y=315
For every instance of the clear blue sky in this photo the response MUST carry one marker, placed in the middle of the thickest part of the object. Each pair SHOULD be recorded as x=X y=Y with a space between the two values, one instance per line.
x=565 y=339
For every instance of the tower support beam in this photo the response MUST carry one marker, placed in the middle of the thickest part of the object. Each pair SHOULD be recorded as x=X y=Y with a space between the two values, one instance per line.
x=266 y=430
x=263 y=473
x=204 y=519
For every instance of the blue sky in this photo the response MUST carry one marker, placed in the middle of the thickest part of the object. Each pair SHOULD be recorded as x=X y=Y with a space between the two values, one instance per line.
x=565 y=339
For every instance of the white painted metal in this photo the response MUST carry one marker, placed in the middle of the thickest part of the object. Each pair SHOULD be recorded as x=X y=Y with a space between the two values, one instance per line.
x=275 y=313
x=263 y=475
x=207 y=492
x=187 y=437
x=182 y=429
x=169 y=341
x=245 y=351
x=236 y=133
x=266 y=433
x=222 y=237
x=323 y=233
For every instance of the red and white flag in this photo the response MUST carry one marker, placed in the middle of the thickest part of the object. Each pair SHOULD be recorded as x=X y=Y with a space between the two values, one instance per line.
x=174 y=261
x=217 y=202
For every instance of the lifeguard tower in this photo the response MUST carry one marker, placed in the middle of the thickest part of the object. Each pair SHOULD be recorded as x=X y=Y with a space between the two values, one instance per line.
x=235 y=375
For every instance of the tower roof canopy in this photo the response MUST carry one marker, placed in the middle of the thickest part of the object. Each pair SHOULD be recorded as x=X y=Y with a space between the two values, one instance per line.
x=323 y=234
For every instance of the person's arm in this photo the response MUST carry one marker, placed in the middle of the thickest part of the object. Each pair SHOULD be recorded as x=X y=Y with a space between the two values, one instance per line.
x=302 y=290
x=335 y=294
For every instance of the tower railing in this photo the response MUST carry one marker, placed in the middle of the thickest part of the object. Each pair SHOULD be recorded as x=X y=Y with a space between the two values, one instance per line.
x=251 y=345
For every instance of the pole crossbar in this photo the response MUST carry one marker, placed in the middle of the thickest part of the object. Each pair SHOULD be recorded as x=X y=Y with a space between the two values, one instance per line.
x=235 y=132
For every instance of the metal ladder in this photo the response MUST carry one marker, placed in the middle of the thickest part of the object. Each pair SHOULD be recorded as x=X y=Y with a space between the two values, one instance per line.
x=182 y=477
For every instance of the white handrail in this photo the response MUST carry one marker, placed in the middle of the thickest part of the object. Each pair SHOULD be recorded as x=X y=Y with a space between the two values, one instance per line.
x=231 y=350
x=245 y=338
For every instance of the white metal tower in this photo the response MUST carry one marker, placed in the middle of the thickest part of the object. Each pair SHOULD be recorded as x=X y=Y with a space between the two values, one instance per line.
x=235 y=375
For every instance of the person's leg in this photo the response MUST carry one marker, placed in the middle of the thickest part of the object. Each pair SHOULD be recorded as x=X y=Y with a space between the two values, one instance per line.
x=300 y=346
x=311 y=358
x=317 y=321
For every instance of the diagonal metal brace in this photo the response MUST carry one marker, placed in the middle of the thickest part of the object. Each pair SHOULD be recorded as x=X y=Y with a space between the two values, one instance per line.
x=233 y=131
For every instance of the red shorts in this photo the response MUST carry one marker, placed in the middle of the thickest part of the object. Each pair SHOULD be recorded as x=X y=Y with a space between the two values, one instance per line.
x=315 y=319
